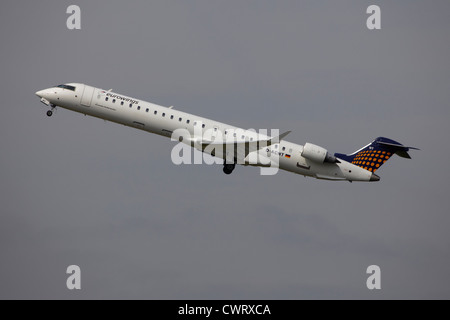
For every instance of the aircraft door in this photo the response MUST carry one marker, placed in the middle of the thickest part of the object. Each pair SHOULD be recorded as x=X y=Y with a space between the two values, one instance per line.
x=88 y=93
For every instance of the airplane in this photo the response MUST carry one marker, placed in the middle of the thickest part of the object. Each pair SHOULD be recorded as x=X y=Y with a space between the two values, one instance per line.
x=233 y=145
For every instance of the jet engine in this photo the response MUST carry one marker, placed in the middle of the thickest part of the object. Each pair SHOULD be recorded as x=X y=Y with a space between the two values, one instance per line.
x=317 y=154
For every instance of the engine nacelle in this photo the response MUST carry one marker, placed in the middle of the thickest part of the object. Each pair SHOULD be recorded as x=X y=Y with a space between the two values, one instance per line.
x=317 y=154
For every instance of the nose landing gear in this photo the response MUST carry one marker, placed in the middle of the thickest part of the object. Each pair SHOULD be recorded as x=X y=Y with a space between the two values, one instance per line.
x=50 y=112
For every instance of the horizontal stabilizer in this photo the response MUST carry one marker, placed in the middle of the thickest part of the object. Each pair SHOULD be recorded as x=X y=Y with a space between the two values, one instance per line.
x=395 y=145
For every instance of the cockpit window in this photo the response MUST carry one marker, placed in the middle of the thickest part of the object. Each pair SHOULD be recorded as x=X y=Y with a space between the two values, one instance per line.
x=65 y=86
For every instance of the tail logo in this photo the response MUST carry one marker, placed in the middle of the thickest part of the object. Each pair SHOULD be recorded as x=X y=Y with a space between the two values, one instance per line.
x=370 y=159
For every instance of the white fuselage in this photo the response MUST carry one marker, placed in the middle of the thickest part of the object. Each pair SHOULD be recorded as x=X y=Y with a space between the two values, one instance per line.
x=164 y=121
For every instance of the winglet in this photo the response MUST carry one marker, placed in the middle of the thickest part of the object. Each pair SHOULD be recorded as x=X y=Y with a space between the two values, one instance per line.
x=279 y=138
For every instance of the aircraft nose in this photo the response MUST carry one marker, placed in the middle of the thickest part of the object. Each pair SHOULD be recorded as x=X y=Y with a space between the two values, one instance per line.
x=374 y=177
x=40 y=93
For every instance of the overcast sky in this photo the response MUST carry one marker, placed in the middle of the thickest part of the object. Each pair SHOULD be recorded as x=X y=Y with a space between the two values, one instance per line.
x=79 y=190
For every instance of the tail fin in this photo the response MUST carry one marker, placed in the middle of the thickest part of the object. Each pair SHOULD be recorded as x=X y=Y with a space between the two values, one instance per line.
x=375 y=154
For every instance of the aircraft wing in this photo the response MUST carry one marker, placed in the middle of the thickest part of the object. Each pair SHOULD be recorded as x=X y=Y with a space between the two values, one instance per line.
x=237 y=151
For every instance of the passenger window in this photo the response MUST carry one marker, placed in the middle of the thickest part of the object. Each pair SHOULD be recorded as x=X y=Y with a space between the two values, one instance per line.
x=179 y=119
x=156 y=112
x=106 y=99
x=114 y=100
x=243 y=137
x=284 y=148
x=121 y=103
x=146 y=110
x=163 y=114
x=139 y=108
x=203 y=125
x=171 y=117
x=195 y=123
x=131 y=105
x=187 y=121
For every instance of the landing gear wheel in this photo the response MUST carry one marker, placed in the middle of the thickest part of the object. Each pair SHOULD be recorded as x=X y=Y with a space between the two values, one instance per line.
x=49 y=113
x=228 y=168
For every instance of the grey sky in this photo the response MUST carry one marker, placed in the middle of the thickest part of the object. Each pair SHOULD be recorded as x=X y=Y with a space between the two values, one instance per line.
x=78 y=190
